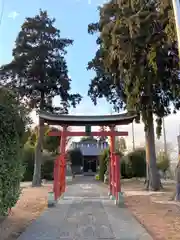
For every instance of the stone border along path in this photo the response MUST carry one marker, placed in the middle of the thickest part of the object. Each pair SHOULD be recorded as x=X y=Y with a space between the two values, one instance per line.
x=85 y=213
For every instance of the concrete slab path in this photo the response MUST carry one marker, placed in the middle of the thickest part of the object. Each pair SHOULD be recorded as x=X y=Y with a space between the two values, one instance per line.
x=85 y=213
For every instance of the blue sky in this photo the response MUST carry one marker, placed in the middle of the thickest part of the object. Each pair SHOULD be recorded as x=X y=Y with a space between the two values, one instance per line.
x=72 y=18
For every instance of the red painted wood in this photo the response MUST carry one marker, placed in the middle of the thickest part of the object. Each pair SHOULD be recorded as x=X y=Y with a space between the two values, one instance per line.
x=118 y=176
x=96 y=134
x=63 y=160
x=110 y=177
x=112 y=150
x=55 y=184
x=60 y=168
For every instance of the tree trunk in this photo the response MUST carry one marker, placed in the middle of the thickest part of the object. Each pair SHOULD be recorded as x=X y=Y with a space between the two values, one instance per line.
x=38 y=156
x=147 y=165
x=177 y=175
x=153 y=179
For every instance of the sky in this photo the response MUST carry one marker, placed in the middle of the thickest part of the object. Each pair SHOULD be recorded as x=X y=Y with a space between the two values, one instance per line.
x=72 y=18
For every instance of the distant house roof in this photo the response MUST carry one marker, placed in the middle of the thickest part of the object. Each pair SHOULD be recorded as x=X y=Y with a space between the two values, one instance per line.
x=90 y=148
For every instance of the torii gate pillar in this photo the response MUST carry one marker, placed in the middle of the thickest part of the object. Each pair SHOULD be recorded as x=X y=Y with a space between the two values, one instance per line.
x=114 y=169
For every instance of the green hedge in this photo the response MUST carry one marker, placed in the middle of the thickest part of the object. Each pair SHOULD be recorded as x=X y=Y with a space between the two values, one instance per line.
x=48 y=170
x=11 y=168
x=75 y=157
x=126 y=168
x=103 y=163
x=28 y=162
x=134 y=164
x=163 y=161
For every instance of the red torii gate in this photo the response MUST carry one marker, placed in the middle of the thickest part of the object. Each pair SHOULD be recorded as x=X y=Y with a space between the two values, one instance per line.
x=88 y=121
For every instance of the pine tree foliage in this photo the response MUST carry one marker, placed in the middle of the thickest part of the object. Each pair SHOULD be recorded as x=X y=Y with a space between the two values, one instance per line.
x=135 y=56
x=102 y=129
x=137 y=62
x=38 y=70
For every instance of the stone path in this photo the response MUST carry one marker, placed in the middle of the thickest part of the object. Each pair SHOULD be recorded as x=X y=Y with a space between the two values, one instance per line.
x=85 y=213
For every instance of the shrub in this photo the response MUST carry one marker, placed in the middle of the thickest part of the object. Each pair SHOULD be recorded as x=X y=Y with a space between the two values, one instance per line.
x=134 y=164
x=103 y=163
x=126 y=168
x=11 y=168
x=75 y=157
x=137 y=159
x=123 y=168
x=28 y=161
x=97 y=177
x=101 y=169
x=51 y=143
x=48 y=169
x=163 y=161
x=131 y=165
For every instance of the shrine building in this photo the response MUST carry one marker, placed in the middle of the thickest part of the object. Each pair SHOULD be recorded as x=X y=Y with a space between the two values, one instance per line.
x=91 y=149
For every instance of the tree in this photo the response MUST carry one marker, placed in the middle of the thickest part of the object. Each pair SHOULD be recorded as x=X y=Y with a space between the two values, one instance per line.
x=33 y=137
x=104 y=162
x=136 y=67
x=160 y=146
x=137 y=158
x=121 y=145
x=39 y=72
x=27 y=135
x=51 y=143
x=75 y=157
x=163 y=162
x=102 y=128
x=88 y=138
x=10 y=98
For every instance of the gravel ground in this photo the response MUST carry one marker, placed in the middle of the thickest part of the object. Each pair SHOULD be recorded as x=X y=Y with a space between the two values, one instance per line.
x=154 y=210
x=30 y=205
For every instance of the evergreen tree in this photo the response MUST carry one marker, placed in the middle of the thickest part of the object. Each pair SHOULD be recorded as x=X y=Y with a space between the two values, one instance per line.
x=102 y=139
x=39 y=72
x=121 y=145
x=136 y=65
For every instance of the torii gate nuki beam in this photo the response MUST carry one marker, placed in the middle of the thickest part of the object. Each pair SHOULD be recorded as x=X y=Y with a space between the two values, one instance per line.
x=94 y=133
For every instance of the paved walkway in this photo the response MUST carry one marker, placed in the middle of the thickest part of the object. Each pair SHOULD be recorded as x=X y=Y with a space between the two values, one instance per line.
x=85 y=213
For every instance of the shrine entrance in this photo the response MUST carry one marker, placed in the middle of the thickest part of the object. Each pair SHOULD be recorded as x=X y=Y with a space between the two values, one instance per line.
x=65 y=121
x=90 y=165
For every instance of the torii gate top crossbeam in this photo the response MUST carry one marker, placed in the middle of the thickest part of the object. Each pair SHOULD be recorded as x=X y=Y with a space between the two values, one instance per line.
x=80 y=120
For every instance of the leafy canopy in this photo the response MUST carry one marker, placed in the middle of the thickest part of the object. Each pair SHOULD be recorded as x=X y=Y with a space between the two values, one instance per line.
x=51 y=143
